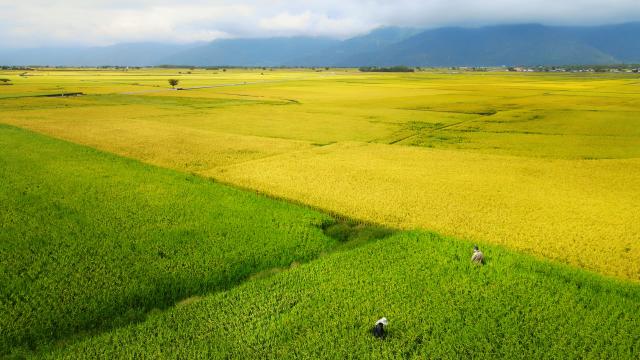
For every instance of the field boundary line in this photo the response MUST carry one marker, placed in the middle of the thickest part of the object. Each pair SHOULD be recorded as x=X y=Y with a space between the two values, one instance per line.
x=215 y=86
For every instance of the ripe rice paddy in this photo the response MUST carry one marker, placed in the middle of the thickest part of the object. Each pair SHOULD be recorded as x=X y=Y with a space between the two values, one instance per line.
x=544 y=163
x=581 y=212
x=113 y=257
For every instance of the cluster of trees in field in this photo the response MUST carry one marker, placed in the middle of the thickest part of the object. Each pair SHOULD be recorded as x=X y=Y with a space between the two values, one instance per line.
x=387 y=69
x=23 y=68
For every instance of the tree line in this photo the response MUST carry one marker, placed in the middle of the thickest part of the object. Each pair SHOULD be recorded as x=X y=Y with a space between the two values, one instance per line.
x=387 y=69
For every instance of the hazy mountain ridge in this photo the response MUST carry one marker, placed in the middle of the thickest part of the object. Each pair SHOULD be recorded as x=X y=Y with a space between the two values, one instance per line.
x=527 y=44
x=376 y=40
x=125 y=54
x=251 y=52
x=620 y=41
x=487 y=46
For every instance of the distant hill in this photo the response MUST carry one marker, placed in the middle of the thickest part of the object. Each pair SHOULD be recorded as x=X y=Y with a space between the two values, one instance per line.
x=251 y=52
x=126 y=54
x=488 y=46
x=620 y=41
x=527 y=44
x=376 y=40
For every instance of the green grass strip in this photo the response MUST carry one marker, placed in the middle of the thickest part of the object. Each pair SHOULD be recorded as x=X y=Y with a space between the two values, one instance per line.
x=92 y=241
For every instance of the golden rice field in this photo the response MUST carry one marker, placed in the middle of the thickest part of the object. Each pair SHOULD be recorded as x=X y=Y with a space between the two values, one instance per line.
x=548 y=164
x=582 y=212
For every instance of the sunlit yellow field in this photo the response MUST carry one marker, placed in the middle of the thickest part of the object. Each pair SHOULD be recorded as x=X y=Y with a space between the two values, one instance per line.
x=582 y=212
x=544 y=163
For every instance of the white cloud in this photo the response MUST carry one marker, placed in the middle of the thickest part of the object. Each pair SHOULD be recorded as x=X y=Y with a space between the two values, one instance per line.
x=101 y=22
x=313 y=24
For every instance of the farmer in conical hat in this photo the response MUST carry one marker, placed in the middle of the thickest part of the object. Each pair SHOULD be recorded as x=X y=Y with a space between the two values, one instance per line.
x=478 y=256
x=378 y=330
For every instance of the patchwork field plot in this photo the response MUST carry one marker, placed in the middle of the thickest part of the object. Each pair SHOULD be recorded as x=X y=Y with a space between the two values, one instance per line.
x=439 y=306
x=545 y=163
x=577 y=211
x=90 y=241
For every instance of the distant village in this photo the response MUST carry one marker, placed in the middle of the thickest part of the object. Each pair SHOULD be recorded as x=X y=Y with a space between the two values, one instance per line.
x=579 y=68
x=617 y=68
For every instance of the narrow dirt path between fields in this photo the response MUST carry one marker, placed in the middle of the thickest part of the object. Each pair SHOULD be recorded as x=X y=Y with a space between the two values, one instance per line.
x=243 y=83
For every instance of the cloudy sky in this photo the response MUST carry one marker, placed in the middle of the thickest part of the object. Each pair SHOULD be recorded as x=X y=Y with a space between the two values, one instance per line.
x=30 y=23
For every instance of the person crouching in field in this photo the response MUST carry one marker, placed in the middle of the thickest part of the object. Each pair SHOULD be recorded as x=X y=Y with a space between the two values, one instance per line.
x=477 y=257
x=378 y=330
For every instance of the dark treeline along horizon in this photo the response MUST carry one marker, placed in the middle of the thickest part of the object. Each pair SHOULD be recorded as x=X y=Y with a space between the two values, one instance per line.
x=501 y=45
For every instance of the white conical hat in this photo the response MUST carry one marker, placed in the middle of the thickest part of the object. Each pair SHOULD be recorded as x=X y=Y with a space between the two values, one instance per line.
x=383 y=321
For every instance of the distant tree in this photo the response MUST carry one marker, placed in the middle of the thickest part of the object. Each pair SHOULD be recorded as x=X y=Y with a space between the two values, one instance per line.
x=173 y=82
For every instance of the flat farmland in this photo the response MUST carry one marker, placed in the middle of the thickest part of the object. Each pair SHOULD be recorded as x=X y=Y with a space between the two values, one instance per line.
x=543 y=163
x=279 y=213
x=439 y=306
x=92 y=241
x=107 y=257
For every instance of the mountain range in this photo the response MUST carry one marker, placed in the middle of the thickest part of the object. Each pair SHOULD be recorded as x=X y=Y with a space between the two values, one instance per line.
x=523 y=44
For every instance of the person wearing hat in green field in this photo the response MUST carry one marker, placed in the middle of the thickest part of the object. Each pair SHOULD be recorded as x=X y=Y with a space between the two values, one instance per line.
x=478 y=256
x=378 y=331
